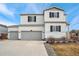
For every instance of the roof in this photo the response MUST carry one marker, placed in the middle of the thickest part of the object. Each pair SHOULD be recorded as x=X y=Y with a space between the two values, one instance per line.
x=54 y=8
x=3 y=25
x=13 y=26
x=31 y=14
x=44 y=10
x=25 y=25
x=31 y=25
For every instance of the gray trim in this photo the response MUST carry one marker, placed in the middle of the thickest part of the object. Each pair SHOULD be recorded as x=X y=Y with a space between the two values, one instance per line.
x=55 y=22
x=44 y=25
x=13 y=31
x=27 y=31
x=31 y=31
x=26 y=25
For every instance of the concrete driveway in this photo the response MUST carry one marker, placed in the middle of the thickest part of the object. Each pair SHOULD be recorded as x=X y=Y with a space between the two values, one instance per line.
x=22 y=48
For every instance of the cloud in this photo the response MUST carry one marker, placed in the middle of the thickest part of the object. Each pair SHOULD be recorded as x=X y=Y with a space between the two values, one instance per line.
x=6 y=22
x=33 y=8
x=74 y=22
x=72 y=9
x=37 y=8
x=4 y=10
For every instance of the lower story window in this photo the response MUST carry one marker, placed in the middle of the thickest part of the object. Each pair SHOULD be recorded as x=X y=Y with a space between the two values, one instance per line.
x=58 y=28
x=55 y=28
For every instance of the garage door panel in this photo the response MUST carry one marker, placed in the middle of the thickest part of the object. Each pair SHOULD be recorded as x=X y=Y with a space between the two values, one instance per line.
x=13 y=35
x=31 y=35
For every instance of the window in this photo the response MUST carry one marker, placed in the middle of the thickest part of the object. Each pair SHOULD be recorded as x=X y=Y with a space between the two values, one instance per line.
x=55 y=28
x=58 y=28
x=54 y=14
x=51 y=14
x=57 y=14
x=31 y=18
x=51 y=28
x=34 y=18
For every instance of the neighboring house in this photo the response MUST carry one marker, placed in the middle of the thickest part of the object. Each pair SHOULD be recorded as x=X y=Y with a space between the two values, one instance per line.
x=3 y=31
x=52 y=23
x=74 y=34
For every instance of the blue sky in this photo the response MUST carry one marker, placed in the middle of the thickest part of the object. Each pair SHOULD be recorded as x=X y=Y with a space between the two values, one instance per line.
x=9 y=12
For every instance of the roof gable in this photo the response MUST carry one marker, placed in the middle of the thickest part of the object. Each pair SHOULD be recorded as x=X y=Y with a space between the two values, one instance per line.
x=54 y=8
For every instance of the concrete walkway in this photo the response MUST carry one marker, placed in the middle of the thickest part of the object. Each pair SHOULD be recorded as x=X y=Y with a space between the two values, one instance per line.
x=22 y=48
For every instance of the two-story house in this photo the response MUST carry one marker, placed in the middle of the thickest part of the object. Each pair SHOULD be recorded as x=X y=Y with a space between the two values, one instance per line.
x=52 y=23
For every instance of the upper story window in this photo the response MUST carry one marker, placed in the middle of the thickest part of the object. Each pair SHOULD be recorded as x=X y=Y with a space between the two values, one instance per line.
x=55 y=28
x=54 y=14
x=57 y=14
x=51 y=14
x=31 y=18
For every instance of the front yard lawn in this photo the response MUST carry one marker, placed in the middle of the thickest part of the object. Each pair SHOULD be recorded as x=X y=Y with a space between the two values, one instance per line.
x=69 y=49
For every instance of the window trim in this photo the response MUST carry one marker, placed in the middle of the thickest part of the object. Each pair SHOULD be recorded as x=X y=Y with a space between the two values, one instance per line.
x=34 y=18
x=57 y=14
x=51 y=29
x=55 y=28
x=31 y=18
x=54 y=14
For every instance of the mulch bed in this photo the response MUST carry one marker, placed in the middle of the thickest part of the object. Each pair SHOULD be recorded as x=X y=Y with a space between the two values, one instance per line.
x=49 y=49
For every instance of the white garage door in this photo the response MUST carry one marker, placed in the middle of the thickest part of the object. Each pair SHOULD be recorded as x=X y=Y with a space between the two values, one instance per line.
x=13 y=35
x=27 y=35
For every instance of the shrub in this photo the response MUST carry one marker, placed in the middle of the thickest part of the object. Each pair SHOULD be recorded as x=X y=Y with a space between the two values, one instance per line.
x=63 y=41
x=50 y=40
x=70 y=41
x=57 y=41
x=74 y=41
x=60 y=40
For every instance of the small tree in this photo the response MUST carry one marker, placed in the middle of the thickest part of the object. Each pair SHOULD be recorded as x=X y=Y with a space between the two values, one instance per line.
x=73 y=31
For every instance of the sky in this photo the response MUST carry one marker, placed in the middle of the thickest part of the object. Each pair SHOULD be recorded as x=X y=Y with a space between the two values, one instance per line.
x=10 y=12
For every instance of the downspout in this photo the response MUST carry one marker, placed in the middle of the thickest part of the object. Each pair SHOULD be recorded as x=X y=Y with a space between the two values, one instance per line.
x=68 y=33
